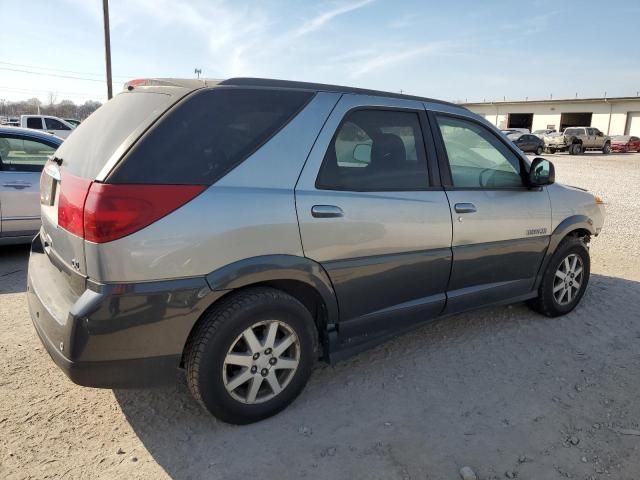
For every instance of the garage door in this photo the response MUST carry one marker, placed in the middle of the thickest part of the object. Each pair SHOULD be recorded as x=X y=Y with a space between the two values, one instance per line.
x=575 y=119
x=633 y=124
x=520 y=120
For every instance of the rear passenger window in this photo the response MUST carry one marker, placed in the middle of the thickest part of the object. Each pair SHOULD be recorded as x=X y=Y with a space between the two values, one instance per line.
x=33 y=122
x=376 y=150
x=208 y=134
x=477 y=158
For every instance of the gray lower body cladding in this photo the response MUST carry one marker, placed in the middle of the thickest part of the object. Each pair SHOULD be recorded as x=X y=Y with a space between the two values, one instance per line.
x=113 y=335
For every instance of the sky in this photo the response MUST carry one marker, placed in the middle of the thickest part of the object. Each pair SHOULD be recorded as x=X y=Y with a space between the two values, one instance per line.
x=458 y=50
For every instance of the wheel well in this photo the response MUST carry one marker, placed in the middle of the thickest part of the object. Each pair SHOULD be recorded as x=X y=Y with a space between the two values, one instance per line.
x=580 y=233
x=303 y=292
x=577 y=141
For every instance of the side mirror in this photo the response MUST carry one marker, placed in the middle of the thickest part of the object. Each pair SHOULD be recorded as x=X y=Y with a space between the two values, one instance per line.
x=362 y=153
x=542 y=172
x=600 y=134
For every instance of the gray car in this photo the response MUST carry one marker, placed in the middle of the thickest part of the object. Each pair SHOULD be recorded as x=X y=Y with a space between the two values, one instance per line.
x=23 y=153
x=241 y=230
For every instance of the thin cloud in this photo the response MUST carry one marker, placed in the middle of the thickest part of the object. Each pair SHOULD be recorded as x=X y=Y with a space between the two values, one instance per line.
x=319 y=21
x=385 y=60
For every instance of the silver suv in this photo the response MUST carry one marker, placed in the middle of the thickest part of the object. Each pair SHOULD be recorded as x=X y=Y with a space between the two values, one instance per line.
x=241 y=230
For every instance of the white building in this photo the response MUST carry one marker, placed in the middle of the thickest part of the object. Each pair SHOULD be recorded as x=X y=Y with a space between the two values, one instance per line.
x=613 y=116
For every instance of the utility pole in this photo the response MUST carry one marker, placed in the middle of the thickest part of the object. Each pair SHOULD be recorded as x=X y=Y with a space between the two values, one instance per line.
x=198 y=71
x=107 y=47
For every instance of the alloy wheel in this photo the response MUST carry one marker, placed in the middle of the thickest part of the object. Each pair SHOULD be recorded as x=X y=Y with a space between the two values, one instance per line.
x=261 y=362
x=568 y=279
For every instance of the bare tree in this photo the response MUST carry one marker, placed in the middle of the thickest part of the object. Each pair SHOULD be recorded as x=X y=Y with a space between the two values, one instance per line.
x=63 y=109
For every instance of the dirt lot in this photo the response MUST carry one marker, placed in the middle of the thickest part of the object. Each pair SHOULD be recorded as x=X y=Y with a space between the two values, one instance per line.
x=503 y=390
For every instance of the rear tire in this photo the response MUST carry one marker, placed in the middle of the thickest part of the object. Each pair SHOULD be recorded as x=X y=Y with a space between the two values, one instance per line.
x=240 y=370
x=577 y=149
x=569 y=265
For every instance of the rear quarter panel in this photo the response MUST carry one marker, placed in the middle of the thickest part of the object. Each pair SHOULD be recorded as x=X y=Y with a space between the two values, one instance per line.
x=249 y=212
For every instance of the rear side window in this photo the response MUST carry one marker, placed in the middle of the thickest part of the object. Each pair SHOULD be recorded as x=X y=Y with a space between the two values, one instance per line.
x=93 y=142
x=34 y=122
x=376 y=150
x=208 y=134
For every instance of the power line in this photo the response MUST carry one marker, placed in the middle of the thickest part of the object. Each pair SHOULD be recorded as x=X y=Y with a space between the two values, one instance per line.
x=57 y=92
x=52 y=75
x=62 y=70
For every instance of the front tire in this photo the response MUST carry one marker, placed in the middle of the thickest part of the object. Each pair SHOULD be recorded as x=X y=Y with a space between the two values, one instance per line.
x=565 y=279
x=251 y=355
x=539 y=150
x=606 y=150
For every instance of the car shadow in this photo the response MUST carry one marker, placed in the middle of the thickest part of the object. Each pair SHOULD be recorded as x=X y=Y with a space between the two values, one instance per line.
x=13 y=268
x=410 y=389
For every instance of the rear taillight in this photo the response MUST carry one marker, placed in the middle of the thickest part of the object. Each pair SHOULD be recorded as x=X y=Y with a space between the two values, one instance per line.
x=73 y=192
x=113 y=211
x=101 y=212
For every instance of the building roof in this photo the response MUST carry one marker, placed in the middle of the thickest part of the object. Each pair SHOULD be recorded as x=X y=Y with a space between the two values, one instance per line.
x=559 y=100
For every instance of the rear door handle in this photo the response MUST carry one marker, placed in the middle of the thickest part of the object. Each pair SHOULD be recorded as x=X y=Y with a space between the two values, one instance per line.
x=326 y=211
x=465 y=208
x=16 y=185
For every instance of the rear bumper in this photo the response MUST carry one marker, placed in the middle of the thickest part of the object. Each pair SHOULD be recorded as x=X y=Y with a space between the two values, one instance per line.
x=112 y=335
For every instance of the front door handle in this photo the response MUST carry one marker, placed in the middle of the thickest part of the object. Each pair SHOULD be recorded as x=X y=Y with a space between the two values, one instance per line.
x=326 y=211
x=465 y=208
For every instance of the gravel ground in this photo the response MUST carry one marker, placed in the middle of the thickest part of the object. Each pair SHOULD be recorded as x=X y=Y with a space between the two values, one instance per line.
x=504 y=391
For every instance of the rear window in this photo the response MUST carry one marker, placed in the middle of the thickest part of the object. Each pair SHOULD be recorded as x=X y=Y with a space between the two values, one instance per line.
x=93 y=142
x=208 y=134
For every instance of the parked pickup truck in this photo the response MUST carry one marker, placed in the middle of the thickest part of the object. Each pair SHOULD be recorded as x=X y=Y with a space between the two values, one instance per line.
x=54 y=125
x=577 y=140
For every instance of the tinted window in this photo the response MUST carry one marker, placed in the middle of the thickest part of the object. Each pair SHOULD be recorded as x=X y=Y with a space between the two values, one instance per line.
x=476 y=157
x=591 y=131
x=94 y=141
x=574 y=131
x=211 y=132
x=376 y=150
x=23 y=155
x=53 y=124
x=33 y=122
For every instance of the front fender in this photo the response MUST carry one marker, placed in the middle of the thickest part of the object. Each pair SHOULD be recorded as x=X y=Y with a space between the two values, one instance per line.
x=564 y=228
